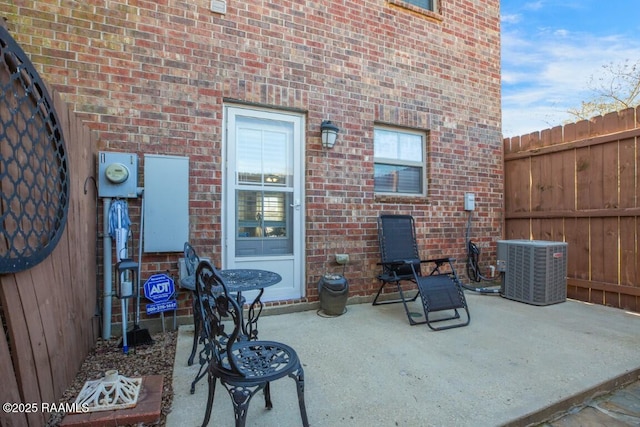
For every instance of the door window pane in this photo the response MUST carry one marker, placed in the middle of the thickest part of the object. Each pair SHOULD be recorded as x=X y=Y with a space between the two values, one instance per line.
x=263 y=155
x=262 y=214
x=263 y=224
x=264 y=186
x=249 y=164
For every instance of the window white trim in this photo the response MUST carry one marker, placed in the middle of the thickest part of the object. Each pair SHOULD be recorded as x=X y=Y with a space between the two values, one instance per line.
x=405 y=159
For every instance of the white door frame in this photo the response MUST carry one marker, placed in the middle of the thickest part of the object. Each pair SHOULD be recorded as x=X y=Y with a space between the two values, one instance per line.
x=290 y=267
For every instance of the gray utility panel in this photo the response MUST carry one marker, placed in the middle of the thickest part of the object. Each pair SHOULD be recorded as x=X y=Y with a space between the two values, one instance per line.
x=166 y=203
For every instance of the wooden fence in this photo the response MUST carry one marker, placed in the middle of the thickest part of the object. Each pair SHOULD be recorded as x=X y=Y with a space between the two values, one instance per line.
x=579 y=183
x=49 y=311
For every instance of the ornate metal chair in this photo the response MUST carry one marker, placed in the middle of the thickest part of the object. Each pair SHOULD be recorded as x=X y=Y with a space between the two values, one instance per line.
x=440 y=290
x=191 y=260
x=243 y=366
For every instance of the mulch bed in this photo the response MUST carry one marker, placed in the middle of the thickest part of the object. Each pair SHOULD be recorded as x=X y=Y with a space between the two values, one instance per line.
x=142 y=360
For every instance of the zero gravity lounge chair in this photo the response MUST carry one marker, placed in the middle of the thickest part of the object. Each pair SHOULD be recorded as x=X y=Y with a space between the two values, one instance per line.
x=439 y=291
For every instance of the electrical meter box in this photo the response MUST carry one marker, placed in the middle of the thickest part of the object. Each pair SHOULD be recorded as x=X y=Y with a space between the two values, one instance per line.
x=117 y=174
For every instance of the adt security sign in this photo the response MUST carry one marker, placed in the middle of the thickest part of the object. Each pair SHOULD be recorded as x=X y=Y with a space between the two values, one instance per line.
x=159 y=288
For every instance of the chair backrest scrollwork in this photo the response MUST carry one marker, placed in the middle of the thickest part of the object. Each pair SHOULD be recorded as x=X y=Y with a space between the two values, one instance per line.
x=221 y=314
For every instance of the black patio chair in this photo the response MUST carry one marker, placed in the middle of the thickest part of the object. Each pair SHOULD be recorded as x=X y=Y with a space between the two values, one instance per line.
x=191 y=260
x=243 y=366
x=440 y=290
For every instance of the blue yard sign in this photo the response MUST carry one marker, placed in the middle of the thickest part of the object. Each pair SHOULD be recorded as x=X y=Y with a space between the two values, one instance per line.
x=159 y=288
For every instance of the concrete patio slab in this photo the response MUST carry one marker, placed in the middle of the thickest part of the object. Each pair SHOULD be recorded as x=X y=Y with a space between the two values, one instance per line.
x=368 y=367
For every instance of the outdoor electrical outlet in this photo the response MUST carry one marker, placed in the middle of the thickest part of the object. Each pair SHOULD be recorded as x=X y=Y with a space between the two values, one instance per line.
x=469 y=201
x=342 y=258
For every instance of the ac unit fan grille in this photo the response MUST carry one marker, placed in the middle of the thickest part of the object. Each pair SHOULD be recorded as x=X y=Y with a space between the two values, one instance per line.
x=535 y=271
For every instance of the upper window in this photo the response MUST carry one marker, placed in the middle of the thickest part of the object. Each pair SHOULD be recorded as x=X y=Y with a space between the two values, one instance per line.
x=428 y=7
x=425 y=4
x=400 y=161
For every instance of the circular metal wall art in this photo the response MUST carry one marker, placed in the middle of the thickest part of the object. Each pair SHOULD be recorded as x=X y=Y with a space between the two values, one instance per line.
x=34 y=175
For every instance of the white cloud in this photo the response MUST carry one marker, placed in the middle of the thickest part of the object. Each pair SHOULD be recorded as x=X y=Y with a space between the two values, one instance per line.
x=513 y=18
x=535 y=5
x=548 y=73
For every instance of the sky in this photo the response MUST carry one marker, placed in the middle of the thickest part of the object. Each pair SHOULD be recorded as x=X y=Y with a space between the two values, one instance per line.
x=551 y=52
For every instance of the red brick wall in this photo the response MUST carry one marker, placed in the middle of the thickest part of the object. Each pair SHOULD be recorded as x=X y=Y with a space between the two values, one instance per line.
x=151 y=77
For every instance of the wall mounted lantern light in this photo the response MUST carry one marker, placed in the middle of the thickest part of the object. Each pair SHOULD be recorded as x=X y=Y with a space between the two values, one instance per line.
x=329 y=133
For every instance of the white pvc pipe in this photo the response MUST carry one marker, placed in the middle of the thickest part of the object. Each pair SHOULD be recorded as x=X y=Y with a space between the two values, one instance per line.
x=107 y=277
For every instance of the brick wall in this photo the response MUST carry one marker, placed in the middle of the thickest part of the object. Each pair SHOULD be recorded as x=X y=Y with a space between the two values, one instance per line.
x=151 y=77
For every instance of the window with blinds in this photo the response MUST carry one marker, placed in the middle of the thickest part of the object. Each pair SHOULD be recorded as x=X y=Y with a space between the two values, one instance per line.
x=428 y=5
x=399 y=161
x=425 y=4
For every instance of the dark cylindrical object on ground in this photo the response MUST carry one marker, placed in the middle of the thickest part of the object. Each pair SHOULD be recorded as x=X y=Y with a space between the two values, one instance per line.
x=333 y=290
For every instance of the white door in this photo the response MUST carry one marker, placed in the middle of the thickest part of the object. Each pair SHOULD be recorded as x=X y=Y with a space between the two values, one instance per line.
x=263 y=196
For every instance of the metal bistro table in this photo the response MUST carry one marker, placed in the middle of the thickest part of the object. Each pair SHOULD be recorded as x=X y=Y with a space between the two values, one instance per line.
x=244 y=280
x=238 y=281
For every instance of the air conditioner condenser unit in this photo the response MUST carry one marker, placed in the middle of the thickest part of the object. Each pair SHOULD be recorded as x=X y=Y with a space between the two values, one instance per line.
x=535 y=271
